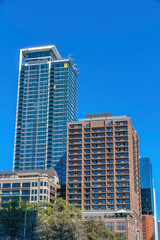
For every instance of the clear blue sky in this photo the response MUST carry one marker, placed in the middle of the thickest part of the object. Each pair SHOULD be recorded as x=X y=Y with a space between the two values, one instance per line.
x=116 y=46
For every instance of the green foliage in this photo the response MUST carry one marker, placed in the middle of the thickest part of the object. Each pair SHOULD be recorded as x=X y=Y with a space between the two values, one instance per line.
x=12 y=221
x=96 y=229
x=53 y=221
x=11 y=216
x=61 y=222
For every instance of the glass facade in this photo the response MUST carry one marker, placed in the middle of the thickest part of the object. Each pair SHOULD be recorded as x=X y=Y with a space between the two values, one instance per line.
x=146 y=186
x=47 y=101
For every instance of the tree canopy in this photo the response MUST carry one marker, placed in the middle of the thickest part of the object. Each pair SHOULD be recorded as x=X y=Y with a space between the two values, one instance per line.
x=49 y=221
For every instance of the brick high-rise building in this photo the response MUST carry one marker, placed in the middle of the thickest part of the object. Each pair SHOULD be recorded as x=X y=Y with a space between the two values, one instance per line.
x=103 y=166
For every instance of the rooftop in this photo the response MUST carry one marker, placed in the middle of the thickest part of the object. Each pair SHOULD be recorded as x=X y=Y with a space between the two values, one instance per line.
x=51 y=48
x=98 y=115
x=42 y=173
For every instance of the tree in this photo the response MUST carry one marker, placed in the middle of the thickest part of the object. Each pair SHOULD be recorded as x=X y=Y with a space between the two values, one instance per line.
x=94 y=229
x=56 y=221
x=11 y=223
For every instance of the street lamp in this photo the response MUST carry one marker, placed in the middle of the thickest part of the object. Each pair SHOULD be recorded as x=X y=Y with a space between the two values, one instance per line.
x=25 y=218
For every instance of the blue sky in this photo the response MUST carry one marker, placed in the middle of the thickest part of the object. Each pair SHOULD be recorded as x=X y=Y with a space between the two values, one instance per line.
x=116 y=46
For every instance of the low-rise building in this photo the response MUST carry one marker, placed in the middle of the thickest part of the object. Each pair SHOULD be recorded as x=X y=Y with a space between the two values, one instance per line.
x=31 y=186
x=148 y=227
x=124 y=222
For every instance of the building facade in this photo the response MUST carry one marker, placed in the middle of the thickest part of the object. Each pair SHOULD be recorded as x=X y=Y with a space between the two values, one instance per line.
x=146 y=186
x=123 y=222
x=148 y=227
x=30 y=186
x=148 y=199
x=158 y=225
x=103 y=165
x=46 y=102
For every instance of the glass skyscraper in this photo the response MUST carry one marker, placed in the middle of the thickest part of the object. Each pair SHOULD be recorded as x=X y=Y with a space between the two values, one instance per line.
x=146 y=186
x=47 y=101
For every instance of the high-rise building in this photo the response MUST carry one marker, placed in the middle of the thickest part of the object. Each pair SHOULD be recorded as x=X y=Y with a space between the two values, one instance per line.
x=146 y=186
x=103 y=168
x=158 y=230
x=46 y=102
x=148 y=199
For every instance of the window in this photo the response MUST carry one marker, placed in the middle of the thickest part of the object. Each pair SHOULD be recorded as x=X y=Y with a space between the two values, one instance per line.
x=25 y=198
x=16 y=185
x=111 y=195
x=26 y=184
x=110 y=189
x=87 y=135
x=110 y=178
x=87 y=146
x=87 y=162
x=121 y=226
x=103 y=178
x=111 y=207
x=87 y=167
x=5 y=193
x=25 y=192
x=95 y=130
x=87 y=130
x=16 y=192
x=119 y=177
x=119 y=189
x=127 y=207
x=6 y=185
x=110 y=134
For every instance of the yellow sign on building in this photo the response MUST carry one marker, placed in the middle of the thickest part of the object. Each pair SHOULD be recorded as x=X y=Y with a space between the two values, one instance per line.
x=65 y=65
